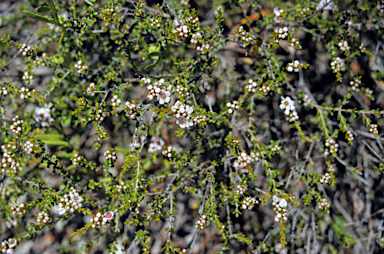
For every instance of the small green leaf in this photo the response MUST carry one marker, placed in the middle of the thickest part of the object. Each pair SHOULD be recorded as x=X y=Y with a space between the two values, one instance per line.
x=122 y=150
x=150 y=67
x=50 y=137
x=39 y=17
x=90 y=2
x=55 y=142
x=42 y=9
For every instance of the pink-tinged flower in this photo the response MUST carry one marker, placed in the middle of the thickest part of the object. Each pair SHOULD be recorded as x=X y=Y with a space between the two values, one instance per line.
x=277 y=19
x=76 y=197
x=9 y=251
x=164 y=97
x=12 y=242
x=43 y=116
x=184 y=122
x=109 y=215
x=277 y=11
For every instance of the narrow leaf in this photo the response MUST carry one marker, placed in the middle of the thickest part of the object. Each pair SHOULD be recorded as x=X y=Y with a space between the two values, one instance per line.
x=39 y=17
x=42 y=9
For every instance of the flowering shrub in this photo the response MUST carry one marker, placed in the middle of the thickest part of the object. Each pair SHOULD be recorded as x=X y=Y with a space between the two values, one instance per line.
x=186 y=126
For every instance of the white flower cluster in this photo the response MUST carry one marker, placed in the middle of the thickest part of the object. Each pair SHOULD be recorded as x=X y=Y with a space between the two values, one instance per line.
x=81 y=67
x=183 y=114
x=264 y=90
x=8 y=158
x=3 y=91
x=307 y=100
x=42 y=218
x=168 y=152
x=182 y=31
x=16 y=125
x=156 y=22
x=25 y=93
x=288 y=105
x=115 y=101
x=251 y=86
x=350 y=136
x=76 y=159
x=43 y=116
x=130 y=110
x=380 y=7
x=156 y=144
x=368 y=92
x=71 y=202
x=136 y=209
x=294 y=66
x=28 y=147
x=331 y=168
x=25 y=49
x=275 y=148
x=280 y=207
x=330 y=147
x=110 y=154
x=277 y=13
x=355 y=84
x=100 y=116
x=240 y=190
x=182 y=91
x=8 y=245
x=343 y=45
x=282 y=33
x=242 y=161
x=325 y=178
x=304 y=11
x=232 y=106
x=293 y=42
x=255 y=156
x=373 y=129
x=18 y=209
x=196 y=38
x=27 y=77
x=109 y=11
x=154 y=89
x=323 y=203
x=203 y=48
x=100 y=219
x=338 y=64
x=91 y=89
x=326 y=5
x=41 y=60
x=120 y=187
x=244 y=36
x=200 y=223
x=200 y=119
x=249 y=203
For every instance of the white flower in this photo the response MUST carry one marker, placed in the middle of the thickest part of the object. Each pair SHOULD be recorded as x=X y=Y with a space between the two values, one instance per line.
x=287 y=104
x=43 y=116
x=62 y=211
x=184 y=122
x=76 y=197
x=164 y=97
x=12 y=242
x=275 y=198
x=283 y=203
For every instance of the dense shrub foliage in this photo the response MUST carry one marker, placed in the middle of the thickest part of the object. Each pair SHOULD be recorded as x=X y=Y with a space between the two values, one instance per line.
x=191 y=126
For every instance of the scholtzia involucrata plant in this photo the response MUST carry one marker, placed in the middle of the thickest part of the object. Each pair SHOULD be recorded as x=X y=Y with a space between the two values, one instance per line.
x=191 y=126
